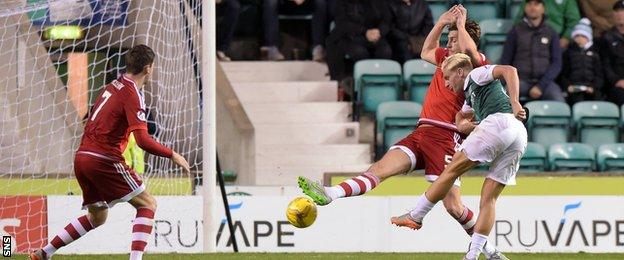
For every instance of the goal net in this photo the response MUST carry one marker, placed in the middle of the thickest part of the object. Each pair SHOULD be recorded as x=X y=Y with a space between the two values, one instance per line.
x=56 y=56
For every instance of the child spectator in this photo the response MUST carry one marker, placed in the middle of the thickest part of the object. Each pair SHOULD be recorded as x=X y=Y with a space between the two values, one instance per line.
x=582 y=75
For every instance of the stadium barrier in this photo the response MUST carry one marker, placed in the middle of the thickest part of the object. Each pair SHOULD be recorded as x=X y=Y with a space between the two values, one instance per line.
x=524 y=224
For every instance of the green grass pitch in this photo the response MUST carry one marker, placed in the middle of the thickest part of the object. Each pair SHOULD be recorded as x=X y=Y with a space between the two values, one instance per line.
x=413 y=184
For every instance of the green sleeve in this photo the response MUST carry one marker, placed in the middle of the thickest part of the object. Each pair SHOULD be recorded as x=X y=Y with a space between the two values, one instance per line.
x=571 y=17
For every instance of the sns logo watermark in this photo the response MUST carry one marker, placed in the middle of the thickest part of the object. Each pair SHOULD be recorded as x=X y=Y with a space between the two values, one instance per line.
x=6 y=246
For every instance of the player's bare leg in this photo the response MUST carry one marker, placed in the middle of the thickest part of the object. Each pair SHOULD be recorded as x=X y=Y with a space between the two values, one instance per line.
x=392 y=163
x=73 y=231
x=145 y=205
x=467 y=219
x=487 y=208
x=437 y=191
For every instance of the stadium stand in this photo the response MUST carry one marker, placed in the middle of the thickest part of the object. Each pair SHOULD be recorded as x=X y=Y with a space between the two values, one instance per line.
x=396 y=120
x=571 y=157
x=548 y=122
x=376 y=81
x=610 y=157
x=596 y=122
x=534 y=159
x=493 y=35
x=416 y=76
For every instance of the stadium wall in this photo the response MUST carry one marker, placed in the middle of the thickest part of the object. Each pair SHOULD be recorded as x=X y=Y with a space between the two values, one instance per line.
x=524 y=224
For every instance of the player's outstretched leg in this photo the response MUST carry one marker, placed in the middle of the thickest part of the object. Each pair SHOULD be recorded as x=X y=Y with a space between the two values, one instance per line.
x=142 y=225
x=393 y=163
x=72 y=232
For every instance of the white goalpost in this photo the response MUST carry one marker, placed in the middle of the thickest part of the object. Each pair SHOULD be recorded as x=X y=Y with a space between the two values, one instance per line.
x=57 y=55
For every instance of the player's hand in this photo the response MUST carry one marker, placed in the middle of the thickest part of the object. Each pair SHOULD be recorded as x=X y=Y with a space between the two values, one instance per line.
x=620 y=83
x=447 y=17
x=590 y=90
x=518 y=111
x=461 y=14
x=180 y=161
x=535 y=92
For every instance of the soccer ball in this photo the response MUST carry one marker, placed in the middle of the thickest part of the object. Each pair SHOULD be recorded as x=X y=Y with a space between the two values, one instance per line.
x=301 y=212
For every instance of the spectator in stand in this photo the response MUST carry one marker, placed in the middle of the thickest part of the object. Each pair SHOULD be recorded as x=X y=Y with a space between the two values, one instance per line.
x=270 y=20
x=613 y=56
x=562 y=16
x=411 y=22
x=532 y=47
x=227 y=17
x=360 y=33
x=599 y=13
x=321 y=19
x=582 y=73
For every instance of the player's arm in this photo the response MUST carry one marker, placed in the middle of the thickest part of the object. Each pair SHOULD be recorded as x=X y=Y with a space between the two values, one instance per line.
x=432 y=41
x=137 y=124
x=510 y=75
x=147 y=143
x=465 y=42
x=464 y=120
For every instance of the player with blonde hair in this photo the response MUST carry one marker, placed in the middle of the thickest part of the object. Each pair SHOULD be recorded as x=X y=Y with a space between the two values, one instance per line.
x=498 y=138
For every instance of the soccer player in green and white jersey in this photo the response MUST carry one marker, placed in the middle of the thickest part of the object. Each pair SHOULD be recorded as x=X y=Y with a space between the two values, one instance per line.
x=499 y=138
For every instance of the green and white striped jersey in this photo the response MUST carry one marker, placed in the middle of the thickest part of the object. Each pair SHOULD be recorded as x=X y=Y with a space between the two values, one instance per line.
x=484 y=94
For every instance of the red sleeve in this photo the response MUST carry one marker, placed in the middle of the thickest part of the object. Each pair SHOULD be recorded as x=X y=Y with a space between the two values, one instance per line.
x=484 y=60
x=440 y=55
x=145 y=141
x=134 y=109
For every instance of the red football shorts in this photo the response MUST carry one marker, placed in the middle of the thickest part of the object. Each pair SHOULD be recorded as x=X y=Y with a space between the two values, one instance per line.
x=105 y=182
x=430 y=148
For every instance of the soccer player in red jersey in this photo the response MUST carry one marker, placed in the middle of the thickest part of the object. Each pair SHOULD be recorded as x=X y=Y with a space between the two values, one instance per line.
x=432 y=145
x=104 y=177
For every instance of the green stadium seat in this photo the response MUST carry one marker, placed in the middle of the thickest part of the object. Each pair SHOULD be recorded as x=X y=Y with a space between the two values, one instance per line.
x=493 y=36
x=597 y=122
x=417 y=75
x=480 y=10
x=438 y=7
x=396 y=120
x=571 y=156
x=513 y=8
x=548 y=122
x=534 y=158
x=376 y=81
x=610 y=157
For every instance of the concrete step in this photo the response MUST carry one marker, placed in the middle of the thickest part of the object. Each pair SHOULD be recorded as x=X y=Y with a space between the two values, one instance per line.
x=332 y=133
x=279 y=155
x=271 y=71
x=298 y=113
x=287 y=175
x=286 y=92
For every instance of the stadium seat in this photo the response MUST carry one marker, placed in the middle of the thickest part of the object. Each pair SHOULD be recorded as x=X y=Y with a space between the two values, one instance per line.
x=480 y=10
x=597 y=122
x=438 y=7
x=493 y=36
x=416 y=76
x=376 y=81
x=534 y=158
x=395 y=120
x=571 y=156
x=548 y=122
x=513 y=8
x=610 y=157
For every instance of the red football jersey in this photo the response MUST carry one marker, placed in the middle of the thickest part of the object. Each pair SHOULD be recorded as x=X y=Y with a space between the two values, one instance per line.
x=441 y=102
x=116 y=113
